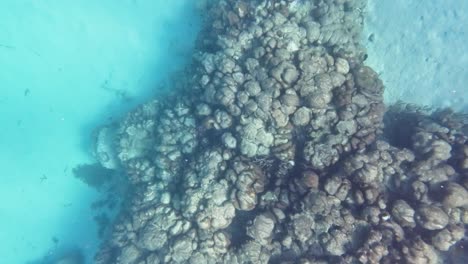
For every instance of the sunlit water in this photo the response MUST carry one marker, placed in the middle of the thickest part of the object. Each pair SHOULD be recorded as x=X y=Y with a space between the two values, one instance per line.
x=67 y=67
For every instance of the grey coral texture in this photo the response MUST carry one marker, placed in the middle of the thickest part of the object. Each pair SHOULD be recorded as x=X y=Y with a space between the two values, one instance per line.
x=275 y=149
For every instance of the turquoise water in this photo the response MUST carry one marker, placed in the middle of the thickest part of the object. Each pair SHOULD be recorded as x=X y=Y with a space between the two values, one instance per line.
x=69 y=67
x=66 y=68
x=419 y=49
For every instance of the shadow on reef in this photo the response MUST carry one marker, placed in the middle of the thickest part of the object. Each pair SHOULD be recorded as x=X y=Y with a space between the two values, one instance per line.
x=94 y=175
x=399 y=124
x=113 y=187
x=401 y=121
x=64 y=256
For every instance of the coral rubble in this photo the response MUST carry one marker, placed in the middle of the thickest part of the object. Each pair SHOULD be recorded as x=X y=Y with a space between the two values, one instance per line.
x=275 y=150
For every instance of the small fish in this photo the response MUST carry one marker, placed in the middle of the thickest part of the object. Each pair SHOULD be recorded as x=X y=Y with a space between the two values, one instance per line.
x=7 y=46
x=26 y=92
x=67 y=205
x=43 y=178
x=35 y=53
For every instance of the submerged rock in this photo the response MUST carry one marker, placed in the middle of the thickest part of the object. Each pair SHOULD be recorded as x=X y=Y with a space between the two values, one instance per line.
x=273 y=149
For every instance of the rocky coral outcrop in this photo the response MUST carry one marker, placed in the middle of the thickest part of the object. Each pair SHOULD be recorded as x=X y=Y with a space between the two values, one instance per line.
x=275 y=150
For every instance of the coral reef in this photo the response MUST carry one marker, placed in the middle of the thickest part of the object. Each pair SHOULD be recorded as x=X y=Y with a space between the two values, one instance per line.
x=275 y=150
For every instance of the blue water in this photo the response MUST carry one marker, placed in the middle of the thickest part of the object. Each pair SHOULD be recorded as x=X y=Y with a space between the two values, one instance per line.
x=67 y=67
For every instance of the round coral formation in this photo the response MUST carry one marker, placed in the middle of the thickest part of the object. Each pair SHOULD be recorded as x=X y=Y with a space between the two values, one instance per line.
x=274 y=149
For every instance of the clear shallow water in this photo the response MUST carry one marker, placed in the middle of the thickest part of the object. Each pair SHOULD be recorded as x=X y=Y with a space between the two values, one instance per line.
x=419 y=49
x=67 y=67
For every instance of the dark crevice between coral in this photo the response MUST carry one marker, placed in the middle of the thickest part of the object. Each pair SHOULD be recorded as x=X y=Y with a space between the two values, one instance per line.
x=287 y=256
x=238 y=228
x=359 y=235
x=399 y=129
